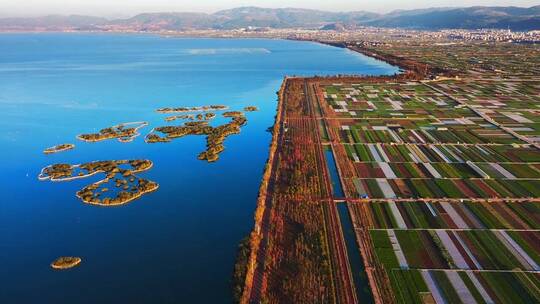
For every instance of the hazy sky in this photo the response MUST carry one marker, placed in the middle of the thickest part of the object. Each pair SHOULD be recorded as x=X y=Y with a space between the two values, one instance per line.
x=123 y=8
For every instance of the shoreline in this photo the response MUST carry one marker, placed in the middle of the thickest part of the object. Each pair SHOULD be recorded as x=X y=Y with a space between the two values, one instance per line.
x=263 y=207
x=379 y=283
x=408 y=71
x=262 y=212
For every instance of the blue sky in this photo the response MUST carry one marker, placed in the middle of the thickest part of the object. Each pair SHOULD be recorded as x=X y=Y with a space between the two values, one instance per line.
x=125 y=8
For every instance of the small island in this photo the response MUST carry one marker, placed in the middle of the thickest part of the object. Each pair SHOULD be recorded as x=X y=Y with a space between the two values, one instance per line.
x=66 y=262
x=59 y=148
x=215 y=136
x=251 y=109
x=120 y=185
x=205 y=116
x=193 y=109
x=175 y=117
x=233 y=114
x=124 y=132
x=171 y=132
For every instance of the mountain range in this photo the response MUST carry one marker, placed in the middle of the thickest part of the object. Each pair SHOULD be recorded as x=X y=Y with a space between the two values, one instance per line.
x=515 y=18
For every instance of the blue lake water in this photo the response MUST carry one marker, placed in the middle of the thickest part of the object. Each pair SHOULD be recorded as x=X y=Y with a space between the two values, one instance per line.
x=175 y=245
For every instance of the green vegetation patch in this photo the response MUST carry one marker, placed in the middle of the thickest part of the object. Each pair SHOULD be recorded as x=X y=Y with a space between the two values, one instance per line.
x=383 y=249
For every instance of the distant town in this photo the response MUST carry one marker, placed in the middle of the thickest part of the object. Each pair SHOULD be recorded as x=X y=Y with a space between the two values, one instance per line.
x=366 y=35
x=478 y=23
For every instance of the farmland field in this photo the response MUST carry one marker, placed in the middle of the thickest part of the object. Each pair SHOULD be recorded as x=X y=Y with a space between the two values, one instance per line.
x=446 y=192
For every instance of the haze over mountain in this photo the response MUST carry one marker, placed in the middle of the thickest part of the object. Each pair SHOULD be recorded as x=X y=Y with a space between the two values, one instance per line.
x=515 y=18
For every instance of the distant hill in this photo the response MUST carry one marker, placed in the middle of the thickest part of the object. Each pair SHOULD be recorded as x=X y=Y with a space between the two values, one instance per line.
x=167 y=21
x=516 y=18
x=286 y=17
x=52 y=22
x=243 y=17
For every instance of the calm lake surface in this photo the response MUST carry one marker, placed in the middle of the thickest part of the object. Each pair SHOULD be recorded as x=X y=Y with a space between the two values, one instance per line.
x=175 y=245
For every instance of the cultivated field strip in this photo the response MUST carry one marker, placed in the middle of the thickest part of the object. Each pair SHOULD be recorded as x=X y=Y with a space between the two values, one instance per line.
x=455 y=216
x=458 y=249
